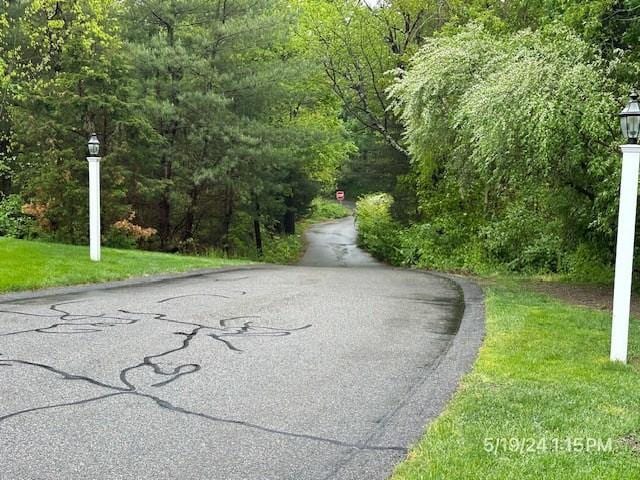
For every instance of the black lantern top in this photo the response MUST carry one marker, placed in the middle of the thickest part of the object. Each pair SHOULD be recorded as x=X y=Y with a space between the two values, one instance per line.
x=630 y=119
x=94 y=145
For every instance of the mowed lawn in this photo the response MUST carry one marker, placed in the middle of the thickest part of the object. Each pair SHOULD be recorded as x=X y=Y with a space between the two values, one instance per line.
x=543 y=400
x=26 y=265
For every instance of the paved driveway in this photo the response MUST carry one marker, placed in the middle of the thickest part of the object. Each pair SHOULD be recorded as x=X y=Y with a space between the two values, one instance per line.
x=256 y=373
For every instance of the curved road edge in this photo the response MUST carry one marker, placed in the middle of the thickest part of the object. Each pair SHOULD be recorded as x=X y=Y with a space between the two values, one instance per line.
x=136 y=281
x=428 y=398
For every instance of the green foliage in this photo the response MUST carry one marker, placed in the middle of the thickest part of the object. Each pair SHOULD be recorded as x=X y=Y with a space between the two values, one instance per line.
x=377 y=231
x=246 y=130
x=509 y=115
x=516 y=135
x=5 y=86
x=427 y=246
x=496 y=136
x=14 y=223
x=322 y=209
x=207 y=116
x=442 y=245
x=427 y=94
x=278 y=247
x=118 y=238
x=282 y=249
x=587 y=265
x=69 y=77
x=357 y=47
x=461 y=243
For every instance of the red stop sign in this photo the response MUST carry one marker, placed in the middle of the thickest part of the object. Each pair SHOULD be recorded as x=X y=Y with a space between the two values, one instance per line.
x=339 y=195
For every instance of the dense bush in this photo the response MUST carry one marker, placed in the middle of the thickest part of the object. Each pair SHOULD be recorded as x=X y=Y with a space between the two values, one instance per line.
x=377 y=231
x=322 y=209
x=126 y=234
x=433 y=246
x=282 y=249
x=588 y=264
x=441 y=245
x=13 y=222
x=424 y=246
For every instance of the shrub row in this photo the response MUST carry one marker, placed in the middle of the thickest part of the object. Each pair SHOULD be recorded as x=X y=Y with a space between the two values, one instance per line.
x=444 y=245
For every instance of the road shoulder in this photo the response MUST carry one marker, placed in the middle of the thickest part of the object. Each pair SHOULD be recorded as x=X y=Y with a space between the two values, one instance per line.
x=429 y=397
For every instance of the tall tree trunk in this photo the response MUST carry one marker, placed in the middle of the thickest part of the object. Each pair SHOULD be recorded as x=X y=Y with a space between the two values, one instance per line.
x=189 y=221
x=256 y=230
x=258 y=235
x=5 y=186
x=227 y=217
x=165 y=203
x=167 y=160
x=289 y=220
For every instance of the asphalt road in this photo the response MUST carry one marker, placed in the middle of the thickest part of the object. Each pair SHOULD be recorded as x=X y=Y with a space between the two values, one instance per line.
x=253 y=373
x=333 y=244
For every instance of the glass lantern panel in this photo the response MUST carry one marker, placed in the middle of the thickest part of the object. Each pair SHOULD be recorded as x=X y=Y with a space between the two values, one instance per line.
x=623 y=127
x=633 y=126
x=94 y=145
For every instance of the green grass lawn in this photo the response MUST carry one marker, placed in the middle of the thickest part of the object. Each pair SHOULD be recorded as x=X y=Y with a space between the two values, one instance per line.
x=28 y=265
x=542 y=379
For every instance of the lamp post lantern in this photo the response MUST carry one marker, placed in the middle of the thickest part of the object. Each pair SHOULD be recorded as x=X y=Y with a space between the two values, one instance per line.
x=94 y=197
x=630 y=124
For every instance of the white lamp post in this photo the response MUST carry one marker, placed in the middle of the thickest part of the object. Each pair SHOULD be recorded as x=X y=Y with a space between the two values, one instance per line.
x=94 y=197
x=630 y=123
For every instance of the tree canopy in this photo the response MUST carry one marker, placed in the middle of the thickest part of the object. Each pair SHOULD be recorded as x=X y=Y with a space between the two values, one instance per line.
x=211 y=117
x=492 y=124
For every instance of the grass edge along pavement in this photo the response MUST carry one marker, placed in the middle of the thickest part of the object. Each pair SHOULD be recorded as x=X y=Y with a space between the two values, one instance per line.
x=30 y=265
x=542 y=400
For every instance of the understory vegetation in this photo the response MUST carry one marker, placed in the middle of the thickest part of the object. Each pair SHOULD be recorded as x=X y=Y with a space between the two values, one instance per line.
x=287 y=249
x=442 y=245
x=480 y=136
x=543 y=400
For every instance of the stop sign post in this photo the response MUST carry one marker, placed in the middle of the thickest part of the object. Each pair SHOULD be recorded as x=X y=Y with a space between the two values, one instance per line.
x=340 y=196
